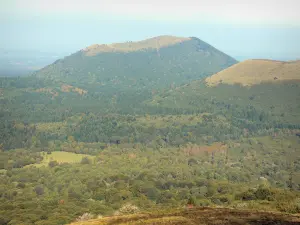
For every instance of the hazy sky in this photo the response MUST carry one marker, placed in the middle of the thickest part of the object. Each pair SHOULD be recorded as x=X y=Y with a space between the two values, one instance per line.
x=254 y=29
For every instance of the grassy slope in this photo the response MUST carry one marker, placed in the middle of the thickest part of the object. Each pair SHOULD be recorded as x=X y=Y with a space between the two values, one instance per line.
x=216 y=216
x=152 y=43
x=252 y=72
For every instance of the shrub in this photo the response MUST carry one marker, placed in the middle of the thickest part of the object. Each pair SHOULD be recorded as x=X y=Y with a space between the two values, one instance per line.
x=39 y=190
x=203 y=202
x=4 y=220
x=52 y=164
x=216 y=201
x=85 y=160
x=263 y=193
x=288 y=206
x=191 y=201
x=127 y=209
x=85 y=217
x=246 y=196
x=20 y=185
x=225 y=198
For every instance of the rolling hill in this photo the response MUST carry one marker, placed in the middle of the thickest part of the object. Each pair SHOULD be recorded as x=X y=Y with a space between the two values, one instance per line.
x=251 y=72
x=265 y=86
x=157 y=62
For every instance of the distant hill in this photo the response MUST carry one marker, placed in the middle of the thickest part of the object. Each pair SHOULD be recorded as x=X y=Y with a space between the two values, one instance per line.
x=157 y=62
x=251 y=72
x=268 y=87
x=15 y=63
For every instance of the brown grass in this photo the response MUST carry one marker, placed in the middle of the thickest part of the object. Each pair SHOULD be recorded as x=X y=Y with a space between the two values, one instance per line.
x=196 y=149
x=251 y=72
x=152 y=43
x=69 y=88
x=205 y=215
x=66 y=88
x=48 y=91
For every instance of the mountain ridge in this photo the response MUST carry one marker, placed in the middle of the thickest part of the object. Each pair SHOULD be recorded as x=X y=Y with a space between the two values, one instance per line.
x=129 y=46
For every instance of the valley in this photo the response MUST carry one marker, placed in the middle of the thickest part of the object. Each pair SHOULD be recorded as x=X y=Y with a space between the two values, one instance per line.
x=157 y=124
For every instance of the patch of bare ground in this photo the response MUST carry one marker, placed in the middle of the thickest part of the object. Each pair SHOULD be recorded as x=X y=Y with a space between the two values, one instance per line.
x=205 y=215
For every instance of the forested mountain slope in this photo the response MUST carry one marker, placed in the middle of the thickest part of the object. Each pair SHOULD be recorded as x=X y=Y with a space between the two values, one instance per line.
x=114 y=78
x=112 y=126
x=267 y=88
x=157 y=62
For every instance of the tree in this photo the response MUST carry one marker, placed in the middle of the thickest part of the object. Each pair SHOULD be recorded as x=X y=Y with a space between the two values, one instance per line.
x=191 y=201
x=86 y=160
x=53 y=163
x=39 y=190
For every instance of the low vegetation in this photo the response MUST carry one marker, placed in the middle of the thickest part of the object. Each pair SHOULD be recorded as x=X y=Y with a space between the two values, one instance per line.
x=55 y=158
x=205 y=216
x=253 y=173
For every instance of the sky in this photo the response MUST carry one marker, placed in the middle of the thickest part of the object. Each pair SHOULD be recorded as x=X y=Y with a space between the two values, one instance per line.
x=242 y=29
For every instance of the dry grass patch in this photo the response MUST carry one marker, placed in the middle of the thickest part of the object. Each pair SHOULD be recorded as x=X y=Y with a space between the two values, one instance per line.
x=69 y=88
x=152 y=43
x=172 y=220
x=209 y=216
x=251 y=72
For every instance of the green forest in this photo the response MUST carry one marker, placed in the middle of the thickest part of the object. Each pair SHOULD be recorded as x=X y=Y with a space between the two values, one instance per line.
x=190 y=143
x=86 y=136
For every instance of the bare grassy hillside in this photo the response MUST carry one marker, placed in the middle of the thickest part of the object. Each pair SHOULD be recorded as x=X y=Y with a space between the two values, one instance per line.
x=152 y=43
x=252 y=72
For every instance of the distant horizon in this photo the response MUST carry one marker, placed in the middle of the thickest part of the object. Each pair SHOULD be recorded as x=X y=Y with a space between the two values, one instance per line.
x=64 y=53
x=257 y=29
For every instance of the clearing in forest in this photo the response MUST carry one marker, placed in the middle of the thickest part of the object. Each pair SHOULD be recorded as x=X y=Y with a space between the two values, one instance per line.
x=62 y=157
